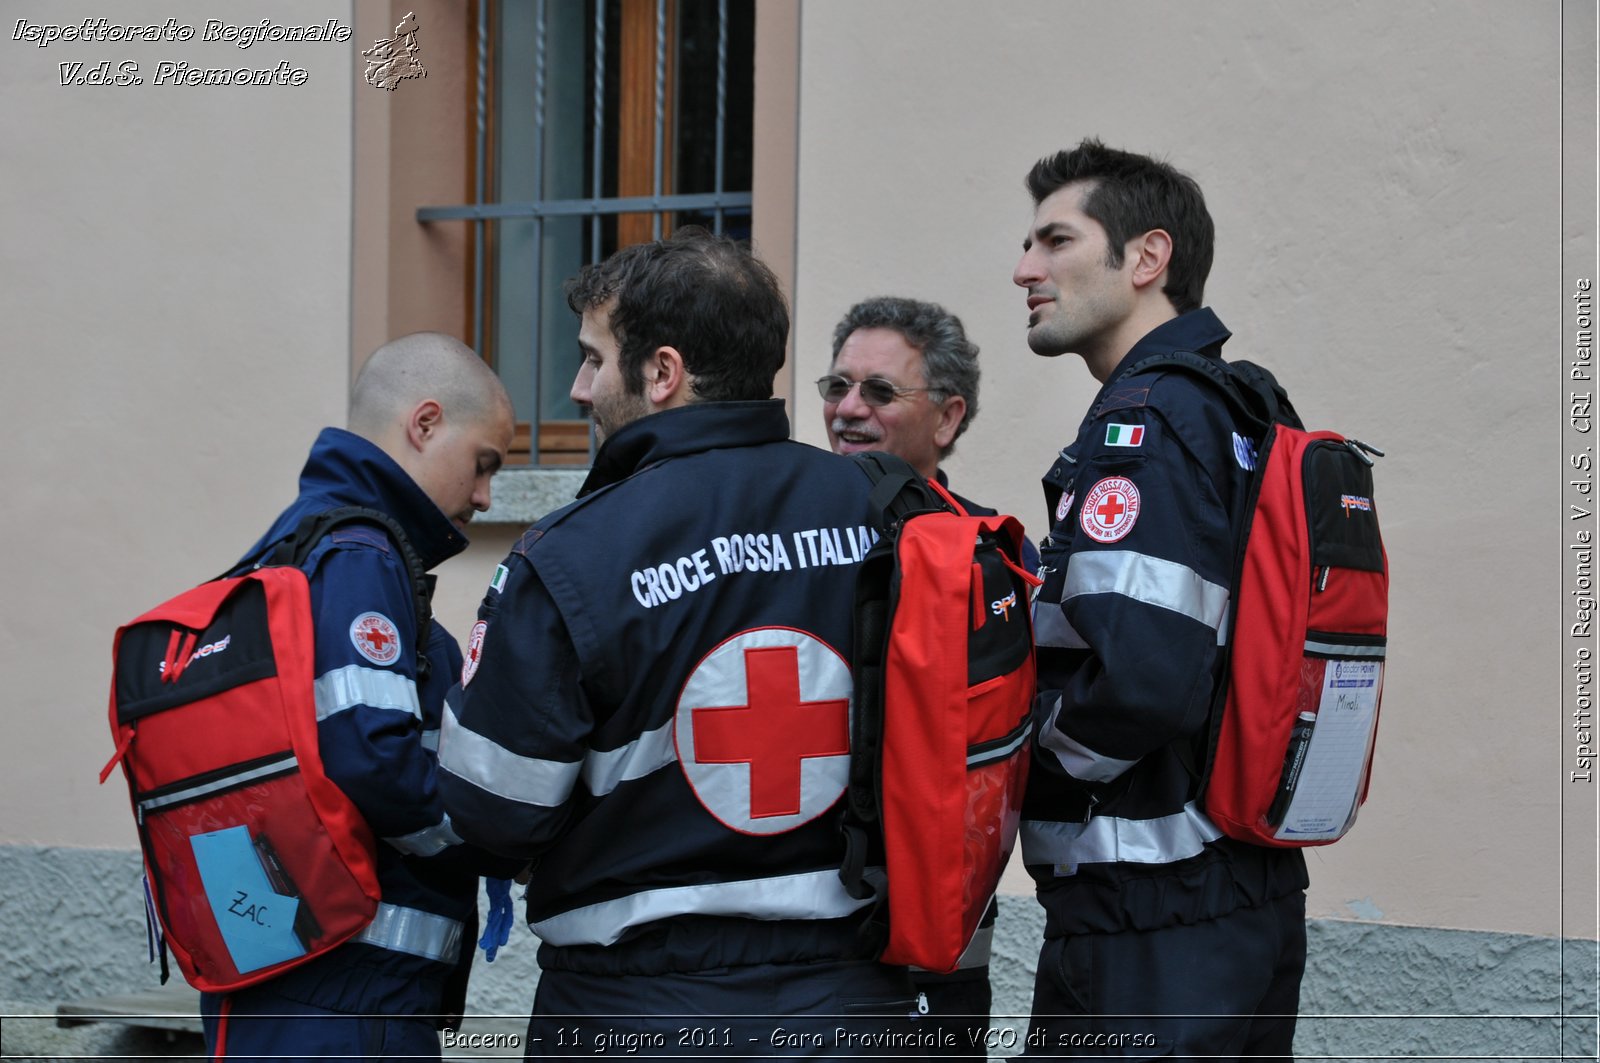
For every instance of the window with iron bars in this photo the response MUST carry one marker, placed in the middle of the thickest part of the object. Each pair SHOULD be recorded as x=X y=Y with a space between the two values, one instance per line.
x=599 y=124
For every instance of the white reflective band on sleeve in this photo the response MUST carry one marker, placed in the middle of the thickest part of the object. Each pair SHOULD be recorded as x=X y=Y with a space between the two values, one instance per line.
x=430 y=740
x=1107 y=840
x=814 y=895
x=414 y=932
x=1340 y=649
x=491 y=767
x=1165 y=584
x=1051 y=629
x=345 y=688
x=1078 y=760
x=651 y=751
x=429 y=841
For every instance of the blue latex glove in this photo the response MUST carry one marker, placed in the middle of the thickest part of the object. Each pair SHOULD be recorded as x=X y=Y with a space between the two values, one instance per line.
x=498 y=929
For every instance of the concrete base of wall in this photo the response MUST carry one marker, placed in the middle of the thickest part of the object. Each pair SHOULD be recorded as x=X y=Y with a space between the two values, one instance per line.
x=72 y=926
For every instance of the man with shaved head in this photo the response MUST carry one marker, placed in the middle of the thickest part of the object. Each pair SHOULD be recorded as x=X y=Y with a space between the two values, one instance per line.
x=425 y=383
x=429 y=424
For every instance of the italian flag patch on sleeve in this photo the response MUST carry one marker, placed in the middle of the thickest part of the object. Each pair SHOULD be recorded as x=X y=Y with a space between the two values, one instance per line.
x=1124 y=435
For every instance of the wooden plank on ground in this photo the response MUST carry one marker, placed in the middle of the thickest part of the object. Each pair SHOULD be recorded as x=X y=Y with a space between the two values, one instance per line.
x=174 y=1006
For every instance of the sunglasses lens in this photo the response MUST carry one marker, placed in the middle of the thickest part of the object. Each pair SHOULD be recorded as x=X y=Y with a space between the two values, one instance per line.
x=876 y=392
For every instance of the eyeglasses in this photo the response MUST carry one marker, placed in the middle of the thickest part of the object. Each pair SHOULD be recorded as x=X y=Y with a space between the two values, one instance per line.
x=875 y=391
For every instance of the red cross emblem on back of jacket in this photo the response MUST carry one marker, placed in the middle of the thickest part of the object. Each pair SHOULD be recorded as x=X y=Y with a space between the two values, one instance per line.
x=763 y=730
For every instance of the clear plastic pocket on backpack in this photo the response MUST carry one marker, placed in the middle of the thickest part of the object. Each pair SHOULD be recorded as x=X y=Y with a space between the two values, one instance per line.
x=1000 y=677
x=997 y=772
x=236 y=854
x=1329 y=754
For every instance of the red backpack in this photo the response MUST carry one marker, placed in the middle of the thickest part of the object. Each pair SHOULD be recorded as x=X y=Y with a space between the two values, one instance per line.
x=255 y=862
x=1293 y=726
x=944 y=684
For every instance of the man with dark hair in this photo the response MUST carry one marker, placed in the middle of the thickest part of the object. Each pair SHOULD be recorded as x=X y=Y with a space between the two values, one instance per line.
x=904 y=379
x=429 y=425
x=656 y=710
x=1162 y=936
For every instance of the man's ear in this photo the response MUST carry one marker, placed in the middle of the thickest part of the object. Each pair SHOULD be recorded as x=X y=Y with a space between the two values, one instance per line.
x=425 y=420
x=955 y=408
x=666 y=380
x=1150 y=253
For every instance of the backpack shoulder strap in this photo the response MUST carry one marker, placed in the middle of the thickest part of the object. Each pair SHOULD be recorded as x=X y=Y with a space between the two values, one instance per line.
x=1259 y=381
x=314 y=527
x=1252 y=392
x=899 y=492
x=1258 y=402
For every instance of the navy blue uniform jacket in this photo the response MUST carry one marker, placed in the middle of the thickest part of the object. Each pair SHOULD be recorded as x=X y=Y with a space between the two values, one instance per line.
x=378 y=730
x=659 y=717
x=1137 y=571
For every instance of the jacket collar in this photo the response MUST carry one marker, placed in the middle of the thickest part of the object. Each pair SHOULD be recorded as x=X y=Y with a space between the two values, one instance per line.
x=1198 y=330
x=690 y=429
x=345 y=469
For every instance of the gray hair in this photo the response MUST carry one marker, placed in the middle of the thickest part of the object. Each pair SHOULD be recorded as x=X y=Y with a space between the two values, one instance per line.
x=949 y=359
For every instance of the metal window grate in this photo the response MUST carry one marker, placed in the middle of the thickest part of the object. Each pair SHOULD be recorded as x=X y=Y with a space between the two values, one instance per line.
x=685 y=33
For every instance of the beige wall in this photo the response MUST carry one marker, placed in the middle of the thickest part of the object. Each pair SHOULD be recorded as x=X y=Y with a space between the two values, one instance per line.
x=175 y=309
x=776 y=146
x=182 y=319
x=1384 y=181
x=413 y=148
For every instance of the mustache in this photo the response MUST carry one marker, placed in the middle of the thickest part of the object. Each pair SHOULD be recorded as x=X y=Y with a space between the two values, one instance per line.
x=839 y=426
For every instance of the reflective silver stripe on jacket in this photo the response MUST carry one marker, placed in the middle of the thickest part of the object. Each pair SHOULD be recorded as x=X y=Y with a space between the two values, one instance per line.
x=414 y=932
x=651 y=751
x=495 y=769
x=1151 y=580
x=813 y=895
x=1107 y=839
x=474 y=758
x=282 y=766
x=1051 y=630
x=1077 y=759
x=429 y=841
x=345 y=688
x=1143 y=578
x=1341 y=649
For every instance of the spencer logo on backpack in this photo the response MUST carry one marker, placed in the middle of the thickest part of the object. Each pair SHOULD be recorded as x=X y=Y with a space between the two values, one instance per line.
x=944 y=678
x=255 y=862
x=1293 y=726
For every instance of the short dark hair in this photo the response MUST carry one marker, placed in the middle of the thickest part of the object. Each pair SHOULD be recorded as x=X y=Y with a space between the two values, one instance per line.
x=1132 y=194
x=949 y=359
x=705 y=295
